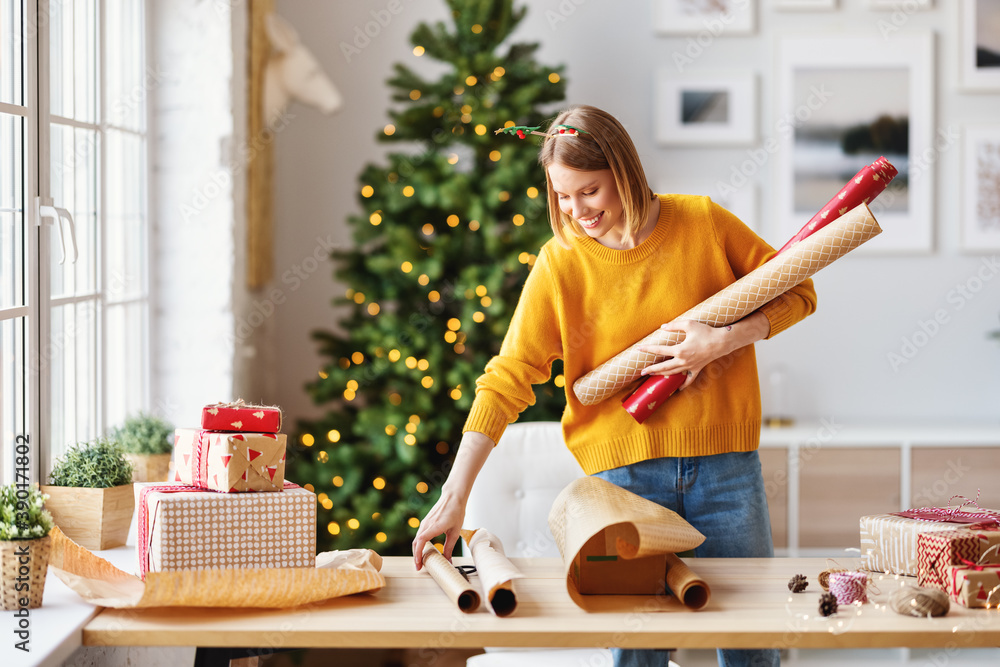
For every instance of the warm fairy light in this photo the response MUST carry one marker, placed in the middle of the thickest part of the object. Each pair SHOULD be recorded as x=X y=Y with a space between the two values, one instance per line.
x=389 y=130
x=358 y=358
x=308 y=440
x=499 y=72
x=531 y=259
x=434 y=296
x=352 y=385
x=308 y=487
x=373 y=308
x=390 y=429
x=411 y=428
x=453 y=220
x=438 y=112
x=473 y=225
x=450 y=337
x=454 y=324
x=410 y=440
x=414 y=419
x=380 y=537
x=321 y=497
x=442 y=447
x=414 y=522
x=495 y=156
x=504 y=196
x=480 y=129
x=411 y=362
x=427 y=381
x=423 y=365
x=518 y=220
x=459 y=349
x=367 y=191
x=476 y=29
x=375 y=218
x=333 y=435
x=349 y=293
x=427 y=229
x=414 y=94
x=323 y=374
x=478 y=316
x=322 y=457
x=337 y=481
x=395 y=398
x=353 y=524
x=458 y=90
x=378 y=483
x=456 y=394
x=560 y=380
x=349 y=395
x=553 y=78
x=509 y=123
x=327 y=504
x=418 y=51
x=486 y=301
x=406 y=267
x=423 y=279
x=376 y=516
x=439 y=547
x=344 y=363
x=408 y=191
x=359 y=297
x=394 y=355
x=466 y=118
x=422 y=487
x=466 y=109
x=532 y=192
x=481 y=290
x=333 y=528
x=470 y=80
x=453 y=158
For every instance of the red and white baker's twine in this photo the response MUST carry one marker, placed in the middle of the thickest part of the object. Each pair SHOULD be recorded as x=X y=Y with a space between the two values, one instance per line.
x=954 y=513
x=849 y=587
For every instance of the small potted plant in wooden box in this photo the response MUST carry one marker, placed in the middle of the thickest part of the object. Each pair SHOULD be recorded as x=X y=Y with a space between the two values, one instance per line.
x=148 y=442
x=90 y=494
x=24 y=547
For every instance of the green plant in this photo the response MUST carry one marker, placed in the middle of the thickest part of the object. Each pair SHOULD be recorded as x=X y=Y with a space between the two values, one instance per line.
x=144 y=434
x=94 y=465
x=22 y=515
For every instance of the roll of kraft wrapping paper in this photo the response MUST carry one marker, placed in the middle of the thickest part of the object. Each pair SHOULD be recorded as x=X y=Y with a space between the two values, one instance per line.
x=454 y=585
x=864 y=187
x=737 y=300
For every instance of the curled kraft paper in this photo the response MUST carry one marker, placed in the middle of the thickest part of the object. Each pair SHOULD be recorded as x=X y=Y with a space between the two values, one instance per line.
x=496 y=572
x=455 y=586
x=766 y=282
x=637 y=530
x=101 y=583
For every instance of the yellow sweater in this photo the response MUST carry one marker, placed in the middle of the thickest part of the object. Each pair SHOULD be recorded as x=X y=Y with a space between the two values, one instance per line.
x=587 y=303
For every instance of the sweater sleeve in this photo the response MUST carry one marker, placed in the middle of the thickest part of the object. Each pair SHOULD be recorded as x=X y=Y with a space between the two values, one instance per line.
x=746 y=251
x=532 y=343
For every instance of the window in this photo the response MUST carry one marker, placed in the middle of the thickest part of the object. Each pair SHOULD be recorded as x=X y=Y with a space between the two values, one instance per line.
x=74 y=303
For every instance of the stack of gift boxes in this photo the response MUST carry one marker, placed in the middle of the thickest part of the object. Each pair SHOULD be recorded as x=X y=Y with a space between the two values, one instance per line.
x=945 y=548
x=228 y=505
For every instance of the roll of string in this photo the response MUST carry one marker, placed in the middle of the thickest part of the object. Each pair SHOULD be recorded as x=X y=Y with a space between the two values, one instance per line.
x=849 y=587
x=915 y=601
x=824 y=577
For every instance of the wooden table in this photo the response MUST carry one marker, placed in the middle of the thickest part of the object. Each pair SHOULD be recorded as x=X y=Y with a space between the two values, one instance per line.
x=750 y=607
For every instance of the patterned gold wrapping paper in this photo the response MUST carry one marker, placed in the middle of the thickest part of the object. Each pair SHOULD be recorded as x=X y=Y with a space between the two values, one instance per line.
x=738 y=300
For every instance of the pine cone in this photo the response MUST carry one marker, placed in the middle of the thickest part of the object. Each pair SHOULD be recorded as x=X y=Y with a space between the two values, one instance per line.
x=798 y=583
x=828 y=604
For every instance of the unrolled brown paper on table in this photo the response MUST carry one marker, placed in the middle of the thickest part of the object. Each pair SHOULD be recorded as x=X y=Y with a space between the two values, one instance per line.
x=454 y=585
x=766 y=282
x=496 y=572
x=101 y=583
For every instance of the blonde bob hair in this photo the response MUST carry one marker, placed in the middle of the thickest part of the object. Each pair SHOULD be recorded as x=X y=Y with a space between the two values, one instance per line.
x=606 y=145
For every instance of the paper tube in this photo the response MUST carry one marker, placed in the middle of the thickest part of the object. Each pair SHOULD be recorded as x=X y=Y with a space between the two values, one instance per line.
x=496 y=572
x=865 y=186
x=101 y=583
x=454 y=585
x=590 y=505
x=737 y=300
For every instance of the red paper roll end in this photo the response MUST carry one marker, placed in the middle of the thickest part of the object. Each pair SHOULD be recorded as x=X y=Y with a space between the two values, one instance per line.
x=654 y=391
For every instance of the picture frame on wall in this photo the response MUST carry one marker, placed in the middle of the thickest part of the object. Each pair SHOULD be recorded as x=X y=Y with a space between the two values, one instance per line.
x=844 y=102
x=705 y=109
x=716 y=18
x=979 y=44
x=805 y=5
x=981 y=188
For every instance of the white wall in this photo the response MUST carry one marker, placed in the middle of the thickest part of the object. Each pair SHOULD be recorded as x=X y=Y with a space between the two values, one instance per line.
x=836 y=360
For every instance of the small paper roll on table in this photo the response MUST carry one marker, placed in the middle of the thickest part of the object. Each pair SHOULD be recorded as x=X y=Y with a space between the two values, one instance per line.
x=737 y=300
x=455 y=586
x=496 y=572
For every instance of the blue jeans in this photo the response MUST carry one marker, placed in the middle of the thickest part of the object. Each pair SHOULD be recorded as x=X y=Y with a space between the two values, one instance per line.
x=723 y=497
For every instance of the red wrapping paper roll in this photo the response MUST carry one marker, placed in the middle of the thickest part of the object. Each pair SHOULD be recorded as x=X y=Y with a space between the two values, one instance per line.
x=864 y=187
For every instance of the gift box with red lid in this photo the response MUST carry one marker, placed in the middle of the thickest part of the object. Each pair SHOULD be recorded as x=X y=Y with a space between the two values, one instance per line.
x=229 y=462
x=241 y=417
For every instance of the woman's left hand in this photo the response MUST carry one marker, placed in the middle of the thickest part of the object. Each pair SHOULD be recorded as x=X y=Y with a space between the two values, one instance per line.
x=702 y=344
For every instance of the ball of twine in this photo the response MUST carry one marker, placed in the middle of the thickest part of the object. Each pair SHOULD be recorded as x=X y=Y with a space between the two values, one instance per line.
x=917 y=601
x=849 y=587
x=824 y=577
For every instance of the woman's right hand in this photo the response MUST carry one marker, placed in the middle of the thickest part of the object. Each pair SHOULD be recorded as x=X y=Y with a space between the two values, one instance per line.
x=445 y=517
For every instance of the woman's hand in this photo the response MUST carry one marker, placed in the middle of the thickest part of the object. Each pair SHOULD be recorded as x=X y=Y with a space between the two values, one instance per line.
x=702 y=345
x=445 y=517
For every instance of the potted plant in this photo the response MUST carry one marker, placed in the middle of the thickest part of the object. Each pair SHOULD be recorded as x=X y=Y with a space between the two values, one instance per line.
x=148 y=442
x=90 y=494
x=24 y=542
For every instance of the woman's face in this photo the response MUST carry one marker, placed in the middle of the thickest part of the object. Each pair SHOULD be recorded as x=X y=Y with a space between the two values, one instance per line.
x=591 y=198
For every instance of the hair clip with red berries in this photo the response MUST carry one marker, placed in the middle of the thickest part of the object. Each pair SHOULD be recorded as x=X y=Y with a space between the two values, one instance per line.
x=522 y=131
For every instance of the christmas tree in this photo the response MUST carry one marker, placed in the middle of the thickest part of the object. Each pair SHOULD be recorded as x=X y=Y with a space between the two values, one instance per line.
x=447 y=237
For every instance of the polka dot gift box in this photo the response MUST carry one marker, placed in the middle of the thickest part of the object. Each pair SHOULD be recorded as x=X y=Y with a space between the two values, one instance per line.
x=185 y=528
